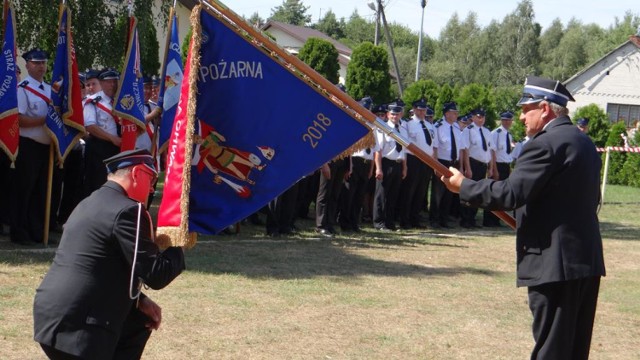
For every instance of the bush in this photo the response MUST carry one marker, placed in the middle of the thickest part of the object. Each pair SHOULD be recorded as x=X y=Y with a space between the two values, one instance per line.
x=598 y=123
x=616 y=174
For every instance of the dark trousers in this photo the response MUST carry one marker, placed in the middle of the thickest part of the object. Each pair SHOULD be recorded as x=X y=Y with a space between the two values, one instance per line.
x=28 y=191
x=441 y=199
x=95 y=173
x=478 y=172
x=5 y=181
x=133 y=338
x=351 y=198
x=72 y=184
x=563 y=314
x=307 y=193
x=387 y=194
x=327 y=200
x=504 y=169
x=414 y=191
x=281 y=212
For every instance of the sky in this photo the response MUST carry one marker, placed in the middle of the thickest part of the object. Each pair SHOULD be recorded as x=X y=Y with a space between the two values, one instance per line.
x=438 y=12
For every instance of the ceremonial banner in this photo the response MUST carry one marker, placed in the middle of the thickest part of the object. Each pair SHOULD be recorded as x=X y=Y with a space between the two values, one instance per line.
x=65 y=122
x=129 y=100
x=259 y=128
x=9 y=128
x=170 y=82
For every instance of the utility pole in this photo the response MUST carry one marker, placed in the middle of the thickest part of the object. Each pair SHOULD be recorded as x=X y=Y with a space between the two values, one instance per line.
x=390 y=44
x=423 y=3
x=376 y=7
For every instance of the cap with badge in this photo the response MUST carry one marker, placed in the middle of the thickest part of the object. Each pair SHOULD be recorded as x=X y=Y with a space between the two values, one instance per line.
x=82 y=77
x=396 y=107
x=130 y=158
x=366 y=102
x=109 y=74
x=35 y=55
x=379 y=109
x=420 y=104
x=478 y=112
x=430 y=111
x=91 y=74
x=449 y=106
x=506 y=115
x=583 y=122
x=538 y=89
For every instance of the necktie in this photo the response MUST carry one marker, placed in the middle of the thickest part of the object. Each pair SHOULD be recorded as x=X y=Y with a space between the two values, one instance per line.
x=368 y=151
x=454 y=147
x=508 y=144
x=427 y=135
x=398 y=146
x=484 y=142
x=41 y=87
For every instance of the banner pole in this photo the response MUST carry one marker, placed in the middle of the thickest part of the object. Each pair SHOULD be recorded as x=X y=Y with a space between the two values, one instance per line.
x=47 y=209
x=362 y=114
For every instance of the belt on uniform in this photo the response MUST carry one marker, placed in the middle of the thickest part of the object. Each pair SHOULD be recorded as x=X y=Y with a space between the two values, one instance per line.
x=396 y=161
x=478 y=161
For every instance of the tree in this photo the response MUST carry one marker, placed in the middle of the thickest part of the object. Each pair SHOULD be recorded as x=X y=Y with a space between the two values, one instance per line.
x=256 y=20
x=616 y=159
x=598 y=123
x=330 y=26
x=291 y=12
x=322 y=56
x=357 y=31
x=445 y=96
x=38 y=21
x=519 y=44
x=427 y=89
x=368 y=73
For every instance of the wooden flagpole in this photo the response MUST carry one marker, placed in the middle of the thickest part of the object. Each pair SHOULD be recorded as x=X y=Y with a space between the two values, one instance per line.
x=361 y=113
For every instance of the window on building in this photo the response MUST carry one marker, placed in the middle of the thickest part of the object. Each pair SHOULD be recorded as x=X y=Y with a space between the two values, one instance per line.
x=622 y=112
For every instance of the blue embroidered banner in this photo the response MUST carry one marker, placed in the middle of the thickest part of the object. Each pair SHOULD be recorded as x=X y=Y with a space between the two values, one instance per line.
x=261 y=128
x=64 y=117
x=9 y=128
x=170 y=81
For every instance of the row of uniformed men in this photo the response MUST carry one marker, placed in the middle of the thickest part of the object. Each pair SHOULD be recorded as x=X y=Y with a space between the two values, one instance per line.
x=395 y=178
x=404 y=179
x=23 y=205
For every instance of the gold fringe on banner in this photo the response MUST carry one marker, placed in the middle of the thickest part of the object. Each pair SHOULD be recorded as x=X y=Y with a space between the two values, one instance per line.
x=180 y=236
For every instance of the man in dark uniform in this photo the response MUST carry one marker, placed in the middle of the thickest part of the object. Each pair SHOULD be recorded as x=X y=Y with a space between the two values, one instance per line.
x=555 y=190
x=89 y=305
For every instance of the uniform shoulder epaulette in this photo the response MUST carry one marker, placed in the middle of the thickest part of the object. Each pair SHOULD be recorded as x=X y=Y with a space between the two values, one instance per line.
x=470 y=126
x=438 y=124
x=24 y=83
x=498 y=130
x=96 y=99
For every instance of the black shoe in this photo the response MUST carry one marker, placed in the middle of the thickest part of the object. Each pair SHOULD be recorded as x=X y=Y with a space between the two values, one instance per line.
x=382 y=228
x=325 y=232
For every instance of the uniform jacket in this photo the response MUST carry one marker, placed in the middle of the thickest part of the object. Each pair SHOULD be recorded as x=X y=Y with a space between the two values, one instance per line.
x=555 y=191
x=83 y=301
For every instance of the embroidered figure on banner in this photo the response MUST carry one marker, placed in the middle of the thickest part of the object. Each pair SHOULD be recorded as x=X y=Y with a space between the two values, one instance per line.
x=229 y=165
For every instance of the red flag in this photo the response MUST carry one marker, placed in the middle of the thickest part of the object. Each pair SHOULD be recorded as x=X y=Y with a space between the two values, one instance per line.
x=172 y=215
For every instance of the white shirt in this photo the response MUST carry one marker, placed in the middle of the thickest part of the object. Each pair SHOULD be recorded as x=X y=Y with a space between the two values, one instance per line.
x=472 y=134
x=387 y=145
x=30 y=104
x=499 y=141
x=444 y=144
x=417 y=136
x=94 y=115
x=144 y=141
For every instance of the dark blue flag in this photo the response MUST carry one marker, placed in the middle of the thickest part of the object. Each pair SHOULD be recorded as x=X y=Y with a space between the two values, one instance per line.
x=260 y=129
x=170 y=82
x=129 y=100
x=9 y=128
x=65 y=121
